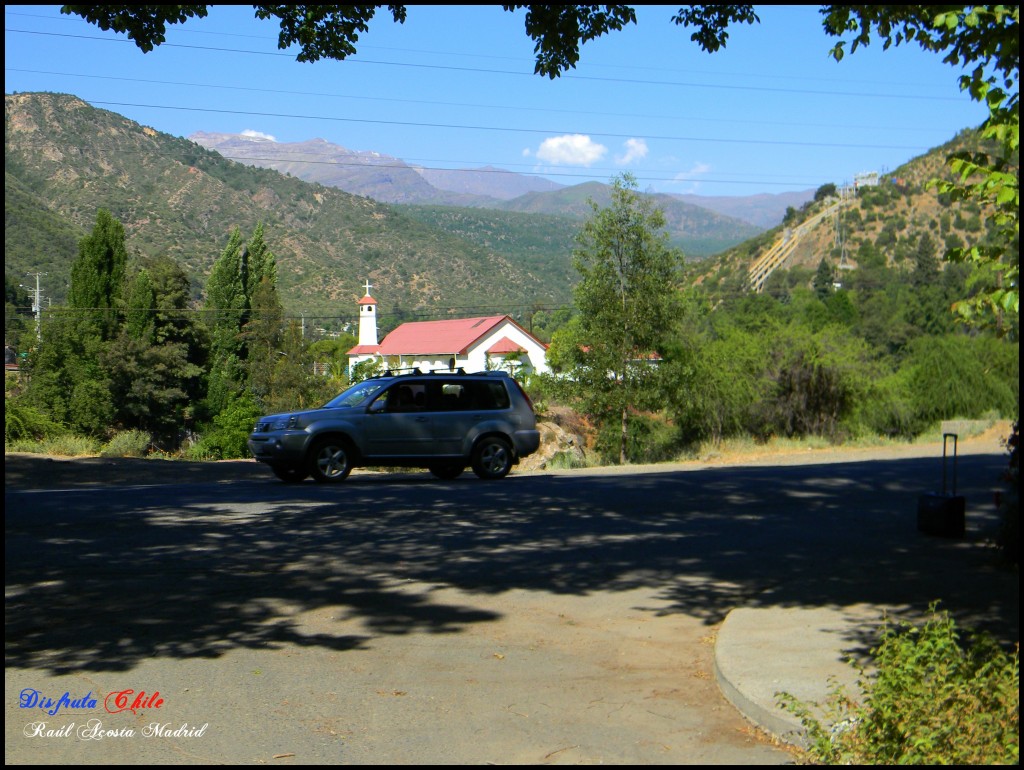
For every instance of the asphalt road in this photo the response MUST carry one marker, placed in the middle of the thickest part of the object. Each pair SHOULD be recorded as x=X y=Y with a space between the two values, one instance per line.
x=560 y=618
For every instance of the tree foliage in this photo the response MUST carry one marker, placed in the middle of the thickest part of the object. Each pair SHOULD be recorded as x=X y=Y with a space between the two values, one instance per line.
x=626 y=299
x=245 y=318
x=98 y=273
x=331 y=31
x=124 y=353
x=985 y=41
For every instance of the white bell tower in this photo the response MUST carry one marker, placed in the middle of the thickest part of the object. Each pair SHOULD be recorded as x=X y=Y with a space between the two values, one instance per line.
x=368 y=318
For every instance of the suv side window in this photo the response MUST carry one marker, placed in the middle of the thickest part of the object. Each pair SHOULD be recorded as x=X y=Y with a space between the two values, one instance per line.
x=406 y=397
x=494 y=395
x=464 y=395
x=453 y=397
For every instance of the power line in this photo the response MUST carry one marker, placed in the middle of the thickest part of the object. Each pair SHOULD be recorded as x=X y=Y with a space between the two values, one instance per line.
x=411 y=124
x=903 y=96
x=516 y=108
x=270 y=39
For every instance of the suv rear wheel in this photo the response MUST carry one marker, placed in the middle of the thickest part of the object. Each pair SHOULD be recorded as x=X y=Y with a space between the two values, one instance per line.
x=492 y=458
x=330 y=460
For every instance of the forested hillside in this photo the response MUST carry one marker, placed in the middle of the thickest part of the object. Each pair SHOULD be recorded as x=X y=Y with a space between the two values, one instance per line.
x=65 y=160
x=889 y=222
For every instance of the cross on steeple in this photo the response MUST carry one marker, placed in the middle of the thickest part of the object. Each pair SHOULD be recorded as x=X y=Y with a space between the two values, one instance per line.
x=368 y=287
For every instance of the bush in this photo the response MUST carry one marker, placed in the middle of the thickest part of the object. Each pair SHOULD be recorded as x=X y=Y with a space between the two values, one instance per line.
x=888 y=410
x=230 y=432
x=130 y=443
x=931 y=701
x=649 y=439
x=23 y=422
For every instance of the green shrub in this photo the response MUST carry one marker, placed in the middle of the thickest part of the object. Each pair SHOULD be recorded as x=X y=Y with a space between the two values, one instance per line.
x=231 y=428
x=932 y=700
x=649 y=439
x=888 y=410
x=23 y=422
x=129 y=443
x=566 y=461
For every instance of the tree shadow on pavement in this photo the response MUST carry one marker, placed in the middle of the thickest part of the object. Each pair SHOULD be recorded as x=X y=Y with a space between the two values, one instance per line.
x=99 y=579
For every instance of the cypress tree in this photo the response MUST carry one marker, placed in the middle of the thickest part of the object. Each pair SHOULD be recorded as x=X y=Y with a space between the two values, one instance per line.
x=97 y=275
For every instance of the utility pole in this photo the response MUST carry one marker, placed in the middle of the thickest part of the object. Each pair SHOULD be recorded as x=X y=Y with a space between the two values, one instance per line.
x=37 y=302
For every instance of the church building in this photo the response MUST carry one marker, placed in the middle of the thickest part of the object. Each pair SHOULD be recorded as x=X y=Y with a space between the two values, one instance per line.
x=472 y=344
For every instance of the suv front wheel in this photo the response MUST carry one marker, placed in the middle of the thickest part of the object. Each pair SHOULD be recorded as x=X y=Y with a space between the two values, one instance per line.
x=492 y=458
x=330 y=460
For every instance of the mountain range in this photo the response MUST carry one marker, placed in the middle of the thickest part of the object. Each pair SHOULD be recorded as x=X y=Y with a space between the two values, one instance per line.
x=392 y=180
x=65 y=159
x=459 y=242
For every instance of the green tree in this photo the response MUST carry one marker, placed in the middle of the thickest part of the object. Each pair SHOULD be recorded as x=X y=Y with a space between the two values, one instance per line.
x=68 y=379
x=626 y=298
x=263 y=330
x=97 y=275
x=824 y=278
x=19 y=330
x=717 y=382
x=155 y=363
x=245 y=318
x=140 y=301
x=926 y=264
x=226 y=306
x=959 y=376
x=825 y=191
x=818 y=378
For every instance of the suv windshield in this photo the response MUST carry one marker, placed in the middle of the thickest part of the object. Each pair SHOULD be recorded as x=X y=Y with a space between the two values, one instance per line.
x=356 y=395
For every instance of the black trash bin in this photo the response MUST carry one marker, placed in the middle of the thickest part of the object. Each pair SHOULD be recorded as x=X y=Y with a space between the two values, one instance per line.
x=943 y=514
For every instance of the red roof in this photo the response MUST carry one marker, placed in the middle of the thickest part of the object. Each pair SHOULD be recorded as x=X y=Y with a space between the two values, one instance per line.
x=367 y=300
x=503 y=346
x=453 y=336
x=360 y=350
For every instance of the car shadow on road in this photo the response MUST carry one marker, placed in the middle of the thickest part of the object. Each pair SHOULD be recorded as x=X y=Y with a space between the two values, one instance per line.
x=100 y=579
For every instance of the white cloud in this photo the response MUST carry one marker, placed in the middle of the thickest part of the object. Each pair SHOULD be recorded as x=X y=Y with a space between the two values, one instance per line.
x=691 y=178
x=636 y=149
x=571 y=150
x=257 y=135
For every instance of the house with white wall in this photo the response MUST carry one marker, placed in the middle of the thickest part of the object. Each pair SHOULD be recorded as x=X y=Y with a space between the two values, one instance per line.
x=472 y=344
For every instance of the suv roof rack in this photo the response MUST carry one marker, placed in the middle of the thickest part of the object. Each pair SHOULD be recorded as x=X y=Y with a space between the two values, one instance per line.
x=413 y=371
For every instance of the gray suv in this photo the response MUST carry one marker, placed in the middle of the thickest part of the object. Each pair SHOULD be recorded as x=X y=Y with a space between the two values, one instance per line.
x=443 y=421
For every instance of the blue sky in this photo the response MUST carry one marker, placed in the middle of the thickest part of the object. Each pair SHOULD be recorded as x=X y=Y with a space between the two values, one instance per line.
x=454 y=87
